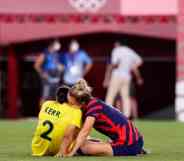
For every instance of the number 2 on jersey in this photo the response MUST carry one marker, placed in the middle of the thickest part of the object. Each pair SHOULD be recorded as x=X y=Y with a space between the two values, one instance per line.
x=45 y=134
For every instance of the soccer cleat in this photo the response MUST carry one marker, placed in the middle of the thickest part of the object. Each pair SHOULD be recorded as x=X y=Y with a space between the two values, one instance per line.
x=144 y=152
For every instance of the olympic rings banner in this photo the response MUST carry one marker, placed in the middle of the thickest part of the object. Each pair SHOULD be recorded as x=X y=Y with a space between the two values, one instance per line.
x=68 y=17
x=61 y=6
x=88 y=5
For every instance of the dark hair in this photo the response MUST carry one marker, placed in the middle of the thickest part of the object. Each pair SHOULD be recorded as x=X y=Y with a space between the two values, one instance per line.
x=61 y=94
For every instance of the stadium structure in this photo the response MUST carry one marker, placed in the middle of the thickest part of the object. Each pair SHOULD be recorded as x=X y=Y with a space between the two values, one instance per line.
x=149 y=27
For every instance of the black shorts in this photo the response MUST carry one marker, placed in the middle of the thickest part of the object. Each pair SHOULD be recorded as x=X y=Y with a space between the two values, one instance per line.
x=128 y=150
x=79 y=153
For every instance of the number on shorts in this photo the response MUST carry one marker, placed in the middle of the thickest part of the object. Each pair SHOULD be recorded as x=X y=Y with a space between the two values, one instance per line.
x=45 y=134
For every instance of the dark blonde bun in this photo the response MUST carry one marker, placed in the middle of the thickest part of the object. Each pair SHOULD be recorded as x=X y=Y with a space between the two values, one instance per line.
x=81 y=91
x=82 y=86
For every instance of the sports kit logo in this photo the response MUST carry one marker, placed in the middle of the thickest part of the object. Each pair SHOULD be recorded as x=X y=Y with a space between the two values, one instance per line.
x=87 y=5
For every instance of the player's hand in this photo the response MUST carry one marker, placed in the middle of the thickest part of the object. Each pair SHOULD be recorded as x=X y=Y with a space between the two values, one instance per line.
x=140 y=81
x=59 y=155
x=45 y=76
x=60 y=67
x=105 y=83
x=72 y=153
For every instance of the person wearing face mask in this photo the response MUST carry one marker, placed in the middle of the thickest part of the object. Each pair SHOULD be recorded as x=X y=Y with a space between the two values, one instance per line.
x=49 y=67
x=77 y=64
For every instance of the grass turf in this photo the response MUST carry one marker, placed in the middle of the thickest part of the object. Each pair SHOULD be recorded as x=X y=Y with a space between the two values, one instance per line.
x=165 y=139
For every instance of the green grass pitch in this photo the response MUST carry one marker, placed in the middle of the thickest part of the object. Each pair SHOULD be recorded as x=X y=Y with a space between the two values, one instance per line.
x=165 y=139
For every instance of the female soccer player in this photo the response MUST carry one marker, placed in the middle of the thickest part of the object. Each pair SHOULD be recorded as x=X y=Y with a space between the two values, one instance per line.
x=125 y=137
x=57 y=119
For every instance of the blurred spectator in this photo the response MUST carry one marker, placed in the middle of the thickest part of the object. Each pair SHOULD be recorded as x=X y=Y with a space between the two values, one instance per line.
x=118 y=75
x=133 y=101
x=77 y=64
x=48 y=66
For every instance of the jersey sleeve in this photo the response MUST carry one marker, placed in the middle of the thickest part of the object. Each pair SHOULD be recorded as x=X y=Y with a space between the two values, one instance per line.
x=77 y=118
x=93 y=111
x=86 y=58
x=45 y=104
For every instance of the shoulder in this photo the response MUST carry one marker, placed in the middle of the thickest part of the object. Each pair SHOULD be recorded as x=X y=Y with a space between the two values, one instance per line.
x=77 y=112
x=117 y=51
x=45 y=51
x=129 y=50
x=74 y=111
x=65 y=105
x=82 y=53
x=46 y=105
x=70 y=107
x=49 y=103
x=94 y=103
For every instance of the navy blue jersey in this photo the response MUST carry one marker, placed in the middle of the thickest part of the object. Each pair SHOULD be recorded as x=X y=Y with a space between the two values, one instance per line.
x=111 y=122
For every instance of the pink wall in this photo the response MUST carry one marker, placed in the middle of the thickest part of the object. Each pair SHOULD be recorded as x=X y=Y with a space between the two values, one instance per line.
x=16 y=33
x=149 y=7
x=12 y=32
x=51 y=6
x=127 y=7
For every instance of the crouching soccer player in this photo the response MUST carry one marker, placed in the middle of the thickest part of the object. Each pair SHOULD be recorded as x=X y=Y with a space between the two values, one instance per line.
x=126 y=139
x=57 y=119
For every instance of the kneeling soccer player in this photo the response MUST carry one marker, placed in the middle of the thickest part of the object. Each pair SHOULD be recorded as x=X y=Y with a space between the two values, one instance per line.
x=56 y=120
x=125 y=138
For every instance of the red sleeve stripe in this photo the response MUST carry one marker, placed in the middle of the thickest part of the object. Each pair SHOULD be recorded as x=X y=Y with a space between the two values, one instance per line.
x=96 y=108
x=130 y=139
x=93 y=101
x=136 y=134
x=122 y=135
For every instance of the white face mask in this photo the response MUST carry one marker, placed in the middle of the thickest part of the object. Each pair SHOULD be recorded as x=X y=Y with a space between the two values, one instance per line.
x=74 y=47
x=56 y=46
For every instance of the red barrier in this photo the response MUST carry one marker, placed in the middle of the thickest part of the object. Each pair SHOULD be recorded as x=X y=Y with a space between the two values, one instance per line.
x=12 y=85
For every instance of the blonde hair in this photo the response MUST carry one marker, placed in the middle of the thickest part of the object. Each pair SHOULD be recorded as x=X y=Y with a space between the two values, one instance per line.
x=81 y=91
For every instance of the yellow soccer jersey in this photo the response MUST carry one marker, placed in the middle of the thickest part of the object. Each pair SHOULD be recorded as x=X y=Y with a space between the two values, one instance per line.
x=54 y=118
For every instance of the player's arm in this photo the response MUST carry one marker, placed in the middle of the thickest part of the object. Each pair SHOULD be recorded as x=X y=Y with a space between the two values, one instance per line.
x=83 y=134
x=136 y=72
x=88 y=63
x=87 y=68
x=138 y=76
x=68 y=138
x=38 y=65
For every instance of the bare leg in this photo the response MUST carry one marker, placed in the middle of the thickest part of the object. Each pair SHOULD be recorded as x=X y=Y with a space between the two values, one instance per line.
x=134 y=107
x=126 y=98
x=112 y=91
x=96 y=148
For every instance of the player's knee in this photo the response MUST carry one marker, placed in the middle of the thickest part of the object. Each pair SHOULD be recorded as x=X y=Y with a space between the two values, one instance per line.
x=85 y=148
x=88 y=149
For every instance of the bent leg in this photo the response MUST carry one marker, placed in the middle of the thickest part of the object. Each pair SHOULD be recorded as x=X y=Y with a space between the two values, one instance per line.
x=112 y=90
x=96 y=148
x=126 y=98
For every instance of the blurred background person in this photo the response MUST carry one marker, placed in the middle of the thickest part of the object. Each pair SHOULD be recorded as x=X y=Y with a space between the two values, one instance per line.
x=49 y=67
x=118 y=76
x=118 y=102
x=77 y=64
